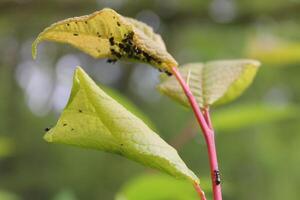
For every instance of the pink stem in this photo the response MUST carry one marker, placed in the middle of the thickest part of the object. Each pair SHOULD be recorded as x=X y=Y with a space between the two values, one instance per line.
x=207 y=117
x=199 y=191
x=205 y=123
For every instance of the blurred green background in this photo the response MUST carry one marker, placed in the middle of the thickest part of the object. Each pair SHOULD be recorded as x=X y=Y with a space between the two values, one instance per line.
x=258 y=136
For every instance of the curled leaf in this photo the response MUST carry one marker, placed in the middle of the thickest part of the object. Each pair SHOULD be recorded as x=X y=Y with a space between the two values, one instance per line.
x=106 y=34
x=212 y=83
x=94 y=120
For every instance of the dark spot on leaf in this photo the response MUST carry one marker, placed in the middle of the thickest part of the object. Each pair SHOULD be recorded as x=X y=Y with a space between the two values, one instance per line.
x=68 y=24
x=80 y=111
x=85 y=22
x=72 y=129
x=75 y=34
x=64 y=124
x=47 y=129
x=121 y=144
x=118 y=23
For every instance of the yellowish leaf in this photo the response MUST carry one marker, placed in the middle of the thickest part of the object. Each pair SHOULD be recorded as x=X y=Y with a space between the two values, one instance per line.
x=106 y=34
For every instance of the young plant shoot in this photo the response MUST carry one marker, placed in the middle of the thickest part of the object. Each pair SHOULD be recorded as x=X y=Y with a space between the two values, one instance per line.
x=92 y=119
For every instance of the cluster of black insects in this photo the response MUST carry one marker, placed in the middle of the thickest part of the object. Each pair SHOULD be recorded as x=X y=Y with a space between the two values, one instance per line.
x=127 y=49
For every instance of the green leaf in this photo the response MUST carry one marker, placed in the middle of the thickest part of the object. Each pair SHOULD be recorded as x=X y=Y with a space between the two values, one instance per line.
x=128 y=104
x=165 y=187
x=106 y=34
x=236 y=117
x=212 y=83
x=94 y=120
x=274 y=50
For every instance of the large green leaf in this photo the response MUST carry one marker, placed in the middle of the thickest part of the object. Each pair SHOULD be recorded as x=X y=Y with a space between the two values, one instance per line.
x=94 y=120
x=165 y=187
x=106 y=34
x=212 y=83
x=274 y=51
x=128 y=104
x=236 y=117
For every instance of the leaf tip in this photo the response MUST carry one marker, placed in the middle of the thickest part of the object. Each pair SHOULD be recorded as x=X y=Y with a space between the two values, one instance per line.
x=253 y=63
x=48 y=137
x=79 y=71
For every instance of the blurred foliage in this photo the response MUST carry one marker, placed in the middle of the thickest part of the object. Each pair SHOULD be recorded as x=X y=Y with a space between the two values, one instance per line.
x=260 y=161
x=244 y=116
x=65 y=195
x=6 y=147
x=4 y=195
x=160 y=187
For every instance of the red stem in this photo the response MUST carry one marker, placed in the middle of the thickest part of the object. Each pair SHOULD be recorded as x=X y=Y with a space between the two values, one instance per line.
x=199 y=191
x=205 y=123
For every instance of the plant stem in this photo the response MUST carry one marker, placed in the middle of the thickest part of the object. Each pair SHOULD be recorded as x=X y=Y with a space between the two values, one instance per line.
x=205 y=124
x=199 y=191
x=207 y=117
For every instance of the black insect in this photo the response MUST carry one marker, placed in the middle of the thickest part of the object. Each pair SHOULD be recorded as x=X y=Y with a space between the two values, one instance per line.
x=168 y=73
x=47 y=129
x=111 y=41
x=137 y=50
x=118 y=23
x=148 y=58
x=111 y=60
x=217 y=177
x=121 y=45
